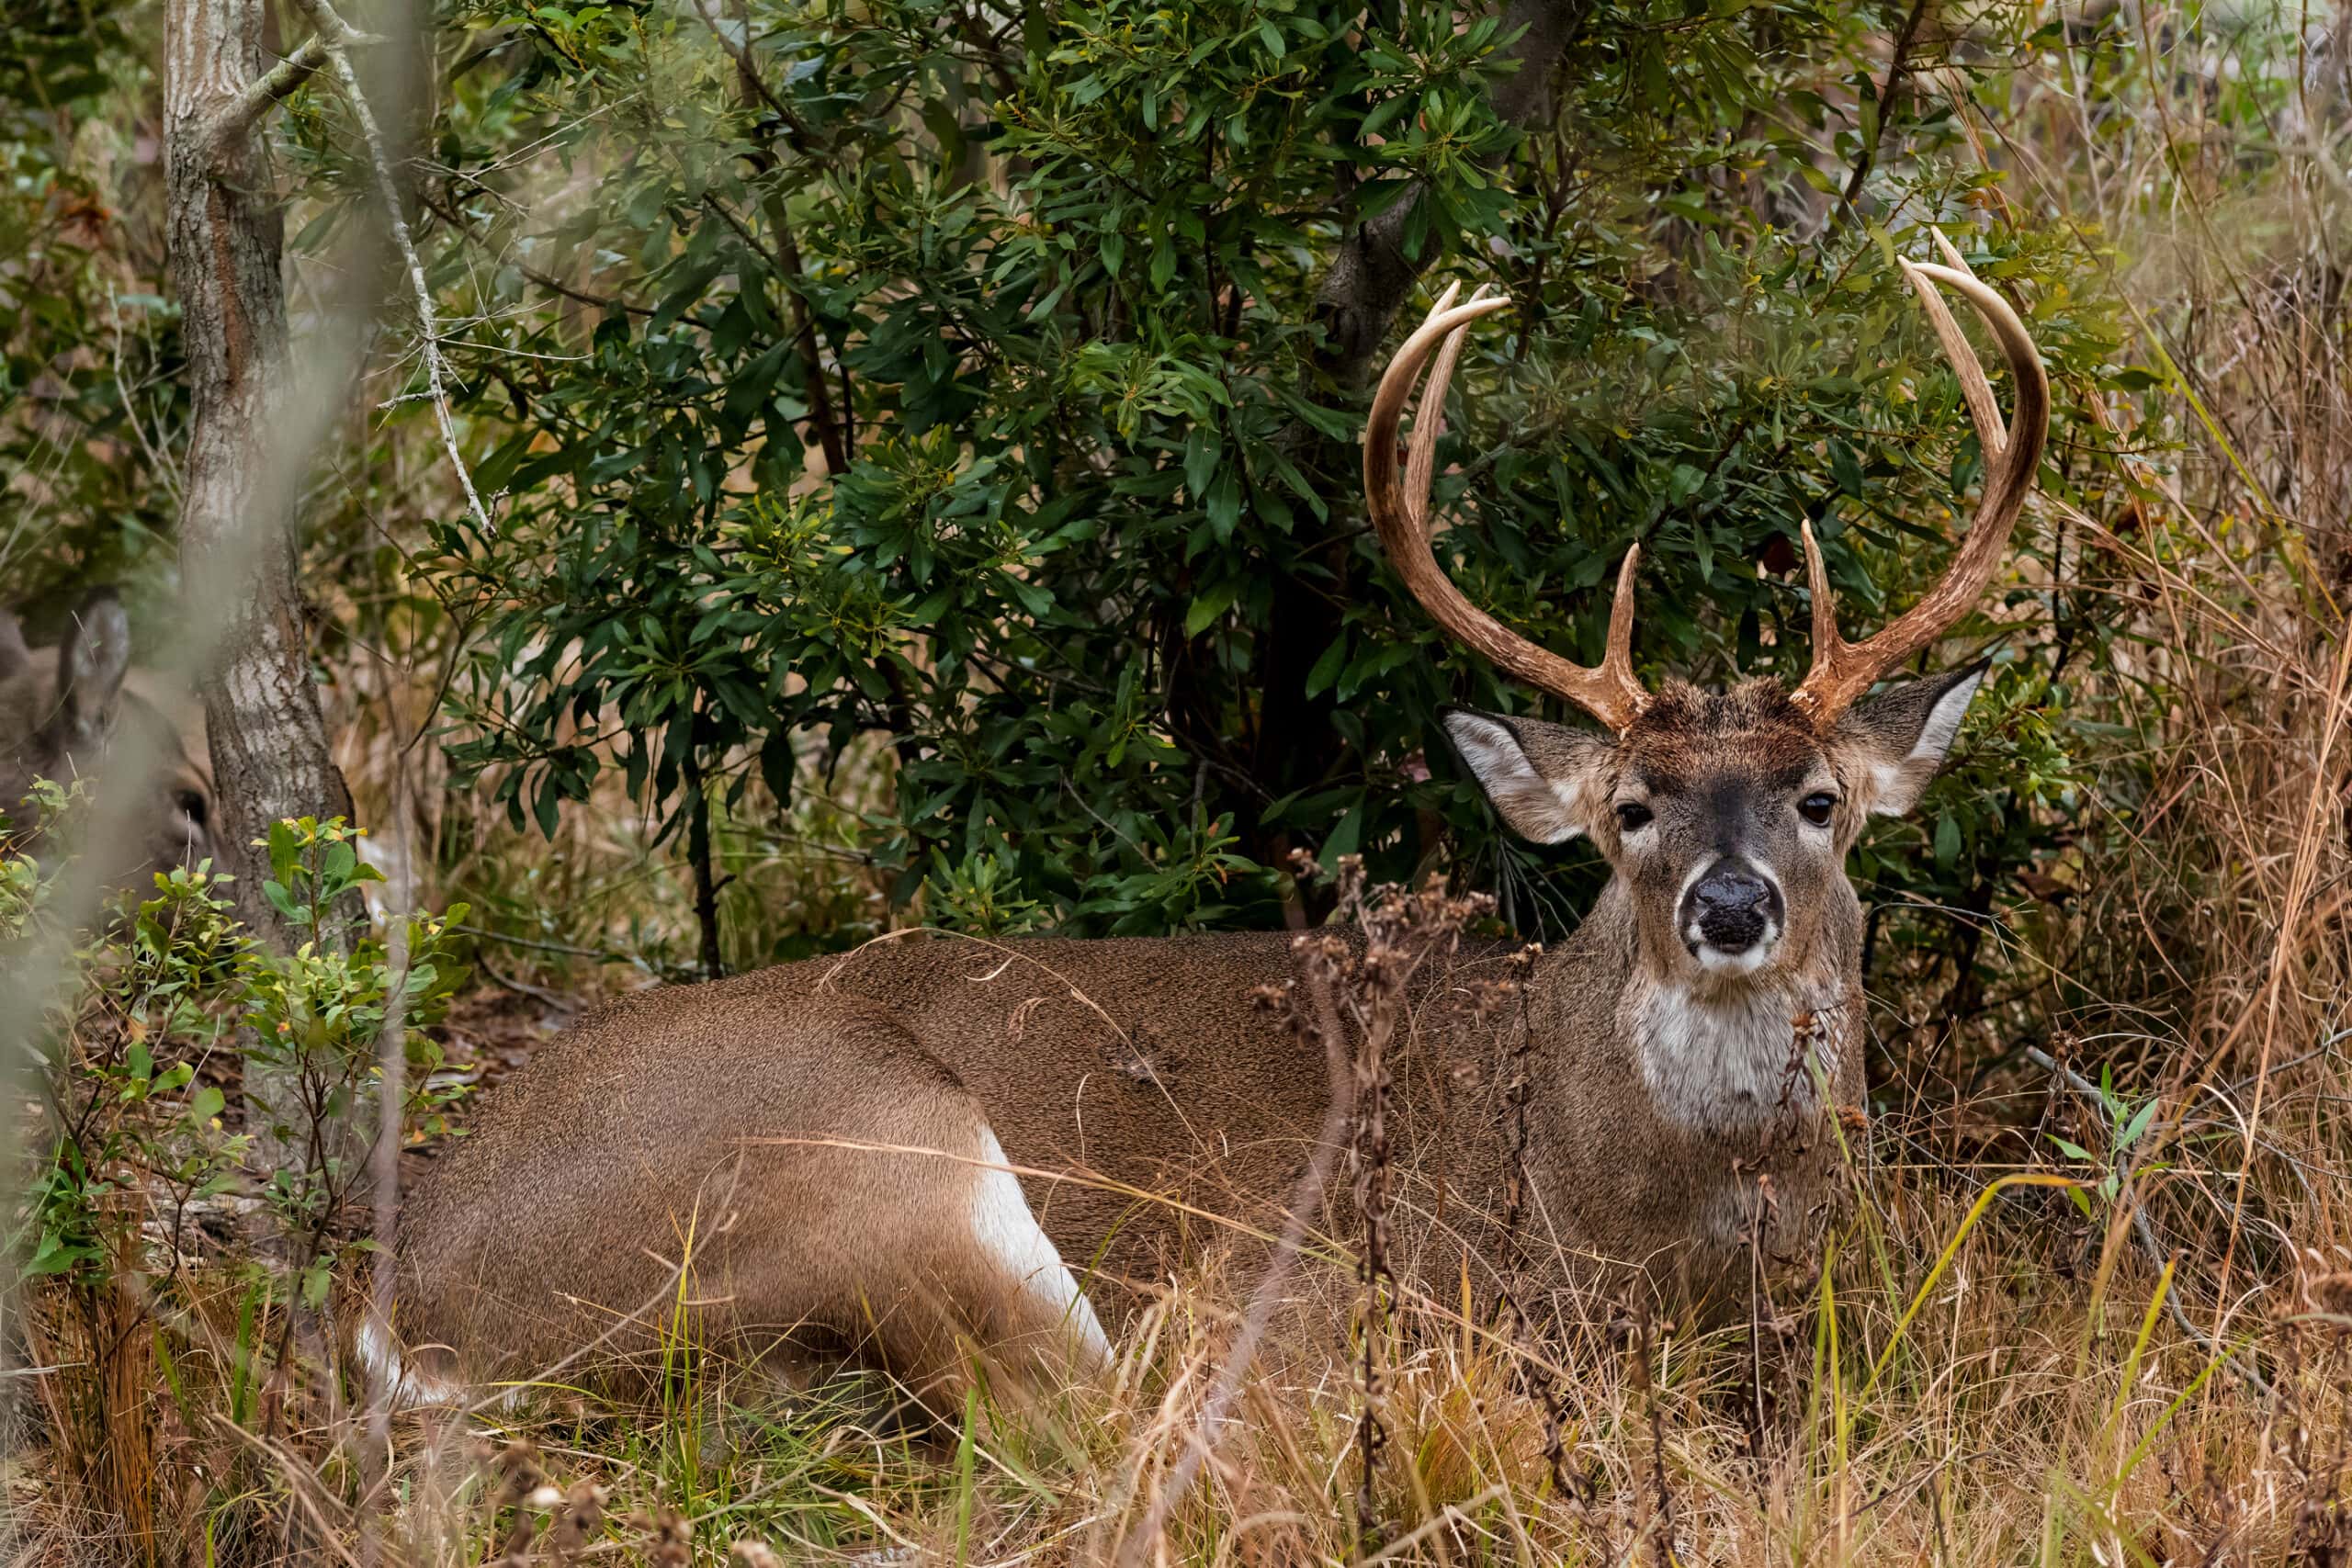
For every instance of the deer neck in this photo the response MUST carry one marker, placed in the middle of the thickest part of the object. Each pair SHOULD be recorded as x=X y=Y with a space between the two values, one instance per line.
x=1737 y=1056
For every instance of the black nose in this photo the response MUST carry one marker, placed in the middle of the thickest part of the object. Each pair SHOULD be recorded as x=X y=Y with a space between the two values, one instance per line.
x=1730 y=906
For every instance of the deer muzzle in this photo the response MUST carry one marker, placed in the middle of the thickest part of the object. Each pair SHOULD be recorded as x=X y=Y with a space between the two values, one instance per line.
x=1732 y=916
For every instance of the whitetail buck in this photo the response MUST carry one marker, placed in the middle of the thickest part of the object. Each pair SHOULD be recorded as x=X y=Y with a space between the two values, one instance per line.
x=63 y=708
x=920 y=1149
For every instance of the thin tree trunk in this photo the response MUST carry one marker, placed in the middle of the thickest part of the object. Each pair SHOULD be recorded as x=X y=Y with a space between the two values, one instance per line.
x=268 y=739
x=271 y=758
x=706 y=881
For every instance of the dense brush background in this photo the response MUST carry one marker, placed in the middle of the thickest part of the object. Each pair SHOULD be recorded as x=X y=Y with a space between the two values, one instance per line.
x=919 y=440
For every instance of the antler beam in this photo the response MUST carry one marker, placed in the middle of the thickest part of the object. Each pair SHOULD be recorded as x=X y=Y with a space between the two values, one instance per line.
x=1400 y=514
x=1843 y=671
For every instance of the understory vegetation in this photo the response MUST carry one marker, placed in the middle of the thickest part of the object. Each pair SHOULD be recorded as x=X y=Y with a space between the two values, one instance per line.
x=893 y=465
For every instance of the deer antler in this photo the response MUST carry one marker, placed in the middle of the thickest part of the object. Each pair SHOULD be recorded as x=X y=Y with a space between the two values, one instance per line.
x=1843 y=671
x=1400 y=514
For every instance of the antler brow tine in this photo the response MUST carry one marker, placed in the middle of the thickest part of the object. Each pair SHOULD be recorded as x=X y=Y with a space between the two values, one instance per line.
x=1841 y=671
x=1400 y=514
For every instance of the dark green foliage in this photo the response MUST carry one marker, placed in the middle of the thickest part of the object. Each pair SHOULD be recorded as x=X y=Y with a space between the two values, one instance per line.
x=1090 y=578
x=1098 y=573
x=90 y=400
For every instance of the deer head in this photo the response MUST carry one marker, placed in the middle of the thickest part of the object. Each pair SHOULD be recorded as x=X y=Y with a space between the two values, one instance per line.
x=1726 y=816
x=62 y=709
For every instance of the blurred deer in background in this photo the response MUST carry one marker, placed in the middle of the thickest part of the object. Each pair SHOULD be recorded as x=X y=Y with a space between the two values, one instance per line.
x=908 y=1154
x=63 y=708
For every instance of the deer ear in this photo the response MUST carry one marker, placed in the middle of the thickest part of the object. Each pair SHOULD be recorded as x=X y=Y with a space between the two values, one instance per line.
x=91 y=663
x=1897 y=740
x=1546 y=780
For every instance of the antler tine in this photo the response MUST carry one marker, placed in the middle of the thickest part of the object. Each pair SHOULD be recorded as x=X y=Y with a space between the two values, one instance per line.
x=1609 y=692
x=1984 y=409
x=1843 y=671
x=1429 y=410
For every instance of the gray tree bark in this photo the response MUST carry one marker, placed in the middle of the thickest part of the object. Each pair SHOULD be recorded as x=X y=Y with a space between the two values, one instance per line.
x=271 y=758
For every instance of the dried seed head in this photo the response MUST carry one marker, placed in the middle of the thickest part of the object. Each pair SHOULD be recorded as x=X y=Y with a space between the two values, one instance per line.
x=579 y=1520
x=517 y=1469
x=669 y=1538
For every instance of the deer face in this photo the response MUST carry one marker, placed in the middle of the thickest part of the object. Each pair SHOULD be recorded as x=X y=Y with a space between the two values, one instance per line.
x=62 y=710
x=1727 y=815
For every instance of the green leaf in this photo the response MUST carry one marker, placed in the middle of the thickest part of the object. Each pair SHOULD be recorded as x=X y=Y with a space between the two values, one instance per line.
x=285 y=851
x=1225 y=502
x=1206 y=607
x=1327 y=668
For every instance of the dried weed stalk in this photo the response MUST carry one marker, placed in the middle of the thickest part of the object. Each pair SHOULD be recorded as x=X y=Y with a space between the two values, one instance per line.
x=1360 y=967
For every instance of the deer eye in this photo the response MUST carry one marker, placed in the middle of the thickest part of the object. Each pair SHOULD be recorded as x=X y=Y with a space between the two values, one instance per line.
x=1816 y=807
x=191 y=805
x=1633 y=816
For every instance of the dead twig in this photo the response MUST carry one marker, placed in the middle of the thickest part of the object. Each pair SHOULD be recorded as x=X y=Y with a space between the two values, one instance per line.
x=340 y=38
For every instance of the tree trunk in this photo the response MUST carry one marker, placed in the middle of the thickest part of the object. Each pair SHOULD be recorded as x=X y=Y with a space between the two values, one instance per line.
x=269 y=739
x=706 y=879
x=269 y=745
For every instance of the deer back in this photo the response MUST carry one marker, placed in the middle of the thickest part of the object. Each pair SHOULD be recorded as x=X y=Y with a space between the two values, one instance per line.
x=1152 y=1108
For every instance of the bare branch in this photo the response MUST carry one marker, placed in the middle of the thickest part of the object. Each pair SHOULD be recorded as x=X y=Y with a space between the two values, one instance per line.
x=340 y=37
x=267 y=90
x=1898 y=68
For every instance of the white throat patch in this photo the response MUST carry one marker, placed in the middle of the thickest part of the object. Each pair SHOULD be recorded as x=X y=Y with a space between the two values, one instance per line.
x=1723 y=1064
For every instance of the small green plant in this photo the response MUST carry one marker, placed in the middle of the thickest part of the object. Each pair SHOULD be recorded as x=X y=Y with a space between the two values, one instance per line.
x=145 y=1207
x=24 y=882
x=182 y=977
x=130 y=1119
x=2127 y=1124
x=317 y=1021
x=981 y=895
